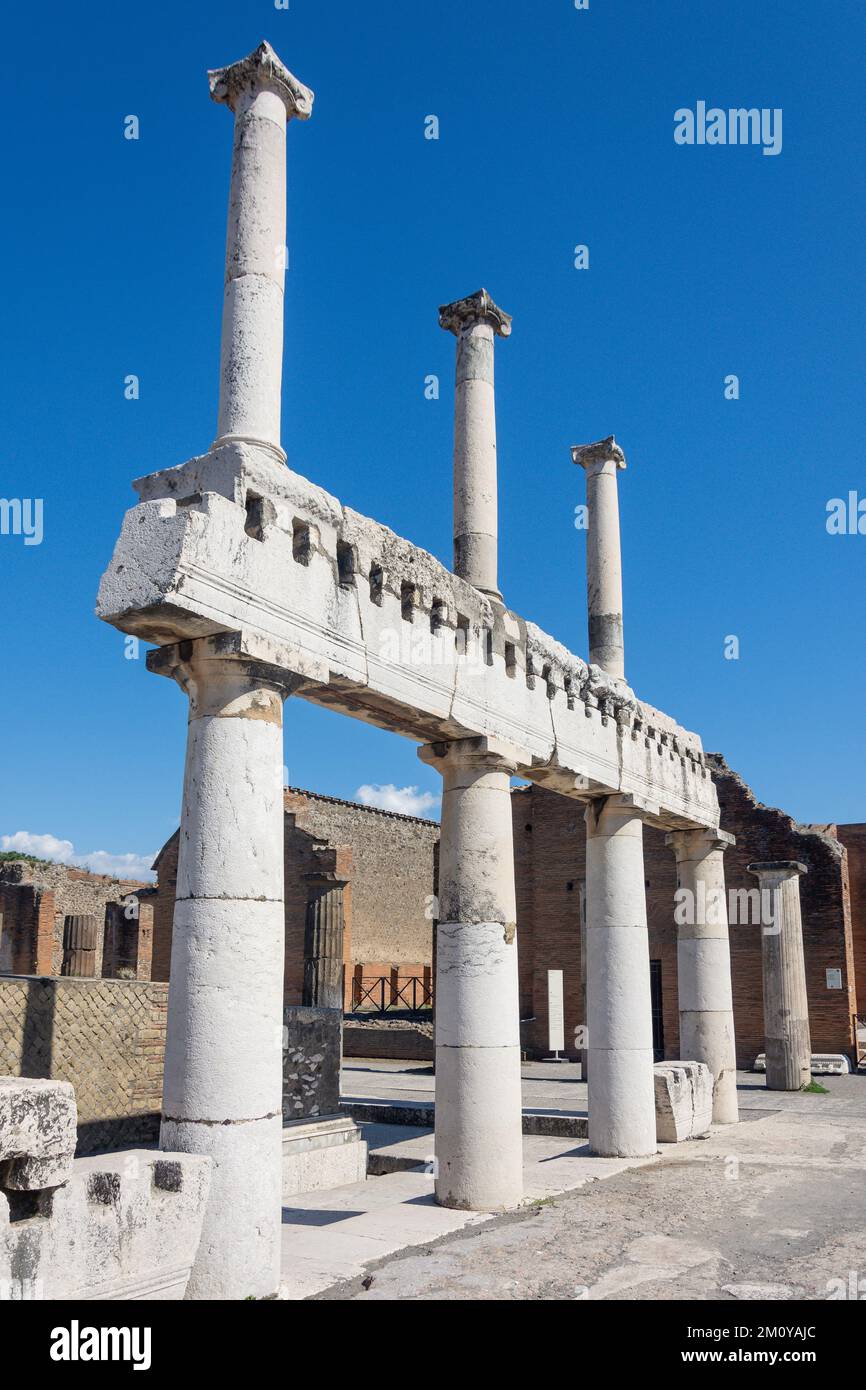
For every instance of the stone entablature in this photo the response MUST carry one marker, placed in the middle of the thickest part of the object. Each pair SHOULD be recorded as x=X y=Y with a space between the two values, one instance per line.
x=363 y=621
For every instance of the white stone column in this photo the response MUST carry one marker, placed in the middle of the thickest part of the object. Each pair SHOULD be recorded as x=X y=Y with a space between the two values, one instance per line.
x=475 y=322
x=601 y=463
x=787 y=1040
x=621 y=1093
x=704 y=963
x=479 y=1143
x=222 y=1093
x=263 y=95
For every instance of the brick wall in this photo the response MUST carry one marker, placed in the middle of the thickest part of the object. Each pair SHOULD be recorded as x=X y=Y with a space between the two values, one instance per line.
x=105 y=1036
x=74 y=891
x=550 y=858
x=27 y=920
x=388 y=860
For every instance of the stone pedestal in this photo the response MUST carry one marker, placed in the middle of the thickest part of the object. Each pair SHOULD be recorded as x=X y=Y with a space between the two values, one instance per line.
x=601 y=462
x=222 y=1088
x=622 y=1121
x=475 y=322
x=323 y=941
x=787 y=1041
x=479 y=1150
x=704 y=964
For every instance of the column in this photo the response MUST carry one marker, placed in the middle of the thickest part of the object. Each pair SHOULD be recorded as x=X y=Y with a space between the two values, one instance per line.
x=222 y=1093
x=263 y=95
x=479 y=1142
x=787 y=1042
x=704 y=963
x=601 y=463
x=79 y=946
x=475 y=322
x=323 y=941
x=621 y=1090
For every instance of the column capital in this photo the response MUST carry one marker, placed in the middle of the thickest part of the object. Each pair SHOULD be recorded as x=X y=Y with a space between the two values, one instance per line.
x=490 y=754
x=627 y=805
x=261 y=70
x=778 y=868
x=687 y=843
x=603 y=456
x=219 y=672
x=474 y=309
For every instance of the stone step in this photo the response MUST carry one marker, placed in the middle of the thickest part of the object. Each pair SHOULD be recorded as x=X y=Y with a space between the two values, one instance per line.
x=558 y=1124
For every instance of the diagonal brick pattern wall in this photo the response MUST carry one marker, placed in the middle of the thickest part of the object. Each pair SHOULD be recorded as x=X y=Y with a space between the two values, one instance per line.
x=105 y=1036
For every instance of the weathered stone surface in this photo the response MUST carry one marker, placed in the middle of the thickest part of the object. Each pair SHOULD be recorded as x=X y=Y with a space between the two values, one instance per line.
x=311 y=1062
x=37 y=1133
x=318 y=1154
x=684 y=1100
x=124 y=1226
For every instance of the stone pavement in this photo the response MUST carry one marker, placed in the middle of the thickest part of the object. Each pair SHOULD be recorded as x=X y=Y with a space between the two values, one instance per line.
x=775 y=1208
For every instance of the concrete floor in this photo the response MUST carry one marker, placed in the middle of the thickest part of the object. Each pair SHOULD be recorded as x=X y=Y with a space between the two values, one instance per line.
x=772 y=1208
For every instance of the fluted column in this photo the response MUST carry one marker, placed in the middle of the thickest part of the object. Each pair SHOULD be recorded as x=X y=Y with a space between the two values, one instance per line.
x=787 y=1040
x=323 y=941
x=478 y=1143
x=475 y=322
x=79 y=946
x=222 y=1092
x=263 y=95
x=621 y=1094
x=601 y=463
x=704 y=963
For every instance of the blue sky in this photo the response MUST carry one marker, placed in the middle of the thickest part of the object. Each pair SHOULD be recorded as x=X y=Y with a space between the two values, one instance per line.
x=556 y=129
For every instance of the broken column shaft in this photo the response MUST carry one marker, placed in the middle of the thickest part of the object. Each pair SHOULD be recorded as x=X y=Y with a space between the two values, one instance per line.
x=323 y=941
x=222 y=1091
x=478 y=1142
x=621 y=1095
x=475 y=322
x=601 y=462
x=706 y=1006
x=787 y=1040
x=263 y=95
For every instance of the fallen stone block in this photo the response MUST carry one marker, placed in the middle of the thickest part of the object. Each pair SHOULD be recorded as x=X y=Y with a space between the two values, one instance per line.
x=126 y=1225
x=684 y=1100
x=37 y=1133
x=822 y=1063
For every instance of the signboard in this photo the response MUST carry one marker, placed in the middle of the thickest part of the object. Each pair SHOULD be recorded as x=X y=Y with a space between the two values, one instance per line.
x=556 y=1011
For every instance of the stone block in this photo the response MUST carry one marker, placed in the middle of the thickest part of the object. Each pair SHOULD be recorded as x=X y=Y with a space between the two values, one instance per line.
x=684 y=1100
x=320 y=1154
x=37 y=1133
x=822 y=1064
x=125 y=1226
x=311 y=1062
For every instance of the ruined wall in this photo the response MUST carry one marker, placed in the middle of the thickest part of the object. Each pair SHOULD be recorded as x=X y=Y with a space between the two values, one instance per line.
x=75 y=891
x=550 y=854
x=388 y=859
x=27 y=917
x=105 y=1036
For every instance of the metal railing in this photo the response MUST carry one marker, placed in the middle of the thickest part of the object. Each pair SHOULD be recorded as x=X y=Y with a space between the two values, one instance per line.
x=382 y=994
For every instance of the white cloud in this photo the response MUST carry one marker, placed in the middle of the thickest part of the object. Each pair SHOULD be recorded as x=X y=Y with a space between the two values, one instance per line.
x=99 y=861
x=409 y=801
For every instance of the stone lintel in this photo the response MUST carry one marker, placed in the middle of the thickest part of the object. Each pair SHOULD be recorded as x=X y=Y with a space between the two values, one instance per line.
x=778 y=868
x=261 y=70
x=475 y=308
x=593 y=457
